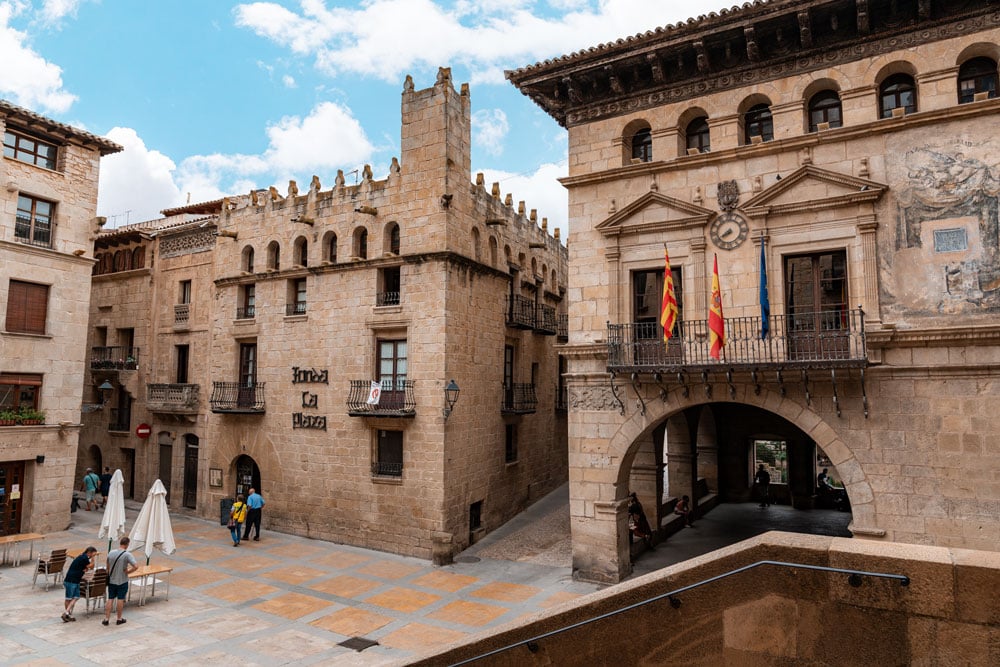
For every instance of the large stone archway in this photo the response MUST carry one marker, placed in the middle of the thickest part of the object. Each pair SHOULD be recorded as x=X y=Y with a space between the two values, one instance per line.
x=600 y=471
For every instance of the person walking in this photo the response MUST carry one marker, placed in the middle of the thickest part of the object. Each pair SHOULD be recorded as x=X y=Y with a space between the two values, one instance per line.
x=120 y=564
x=255 y=503
x=237 y=515
x=71 y=582
x=763 y=481
x=105 y=486
x=91 y=483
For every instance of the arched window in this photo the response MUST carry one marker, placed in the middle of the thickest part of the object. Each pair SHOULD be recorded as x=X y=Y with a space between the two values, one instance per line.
x=361 y=243
x=824 y=107
x=301 y=251
x=330 y=248
x=697 y=136
x=122 y=260
x=642 y=145
x=139 y=257
x=493 y=251
x=897 y=92
x=475 y=243
x=248 y=259
x=392 y=238
x=757 y=122
x=274 y=256
x=975 y=77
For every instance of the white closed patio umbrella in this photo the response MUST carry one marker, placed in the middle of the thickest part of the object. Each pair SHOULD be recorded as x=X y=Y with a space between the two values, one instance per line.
x=113 y=521
x=152 y=526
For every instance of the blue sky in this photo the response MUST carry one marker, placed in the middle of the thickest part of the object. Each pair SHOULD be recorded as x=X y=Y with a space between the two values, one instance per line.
x=211 y=97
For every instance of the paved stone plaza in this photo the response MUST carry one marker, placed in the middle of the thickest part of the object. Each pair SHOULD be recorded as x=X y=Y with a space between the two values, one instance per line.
x=283 y=600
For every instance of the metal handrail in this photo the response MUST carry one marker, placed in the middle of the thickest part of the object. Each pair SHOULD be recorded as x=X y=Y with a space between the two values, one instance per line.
x=854 y=579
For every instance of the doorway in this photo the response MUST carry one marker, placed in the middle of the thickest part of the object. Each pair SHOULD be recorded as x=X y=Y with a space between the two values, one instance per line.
x=11 y=494
x=166 y=461
x=247 y=475
x=190 y=471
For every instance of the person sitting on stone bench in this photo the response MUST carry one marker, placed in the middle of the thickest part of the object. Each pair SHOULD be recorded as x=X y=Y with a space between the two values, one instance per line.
x=683 y=508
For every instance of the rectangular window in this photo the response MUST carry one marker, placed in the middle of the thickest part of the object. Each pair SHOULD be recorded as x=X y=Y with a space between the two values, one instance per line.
x=773 y=454
x=33 y=223
x=183 y=357
x=392 y=373
x=28 y=149
x=19 y=391
x=389 y=456
x=246 y=395
x=476 y=515
x=510 y=448
x=185 y=292
x=296 y=297
x=647 y=301
x=817 y=305
x=27 y=307
x=248 y=303
x=388 y=293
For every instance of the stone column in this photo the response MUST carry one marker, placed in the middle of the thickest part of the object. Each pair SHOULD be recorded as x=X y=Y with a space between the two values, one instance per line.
x=679 y=458
x=699 y=268
x=867 y=227
x=595 y=557
x=643 y=480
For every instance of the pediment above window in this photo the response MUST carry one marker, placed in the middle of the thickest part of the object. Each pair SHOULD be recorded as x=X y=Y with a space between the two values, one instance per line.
x=654 y=212
x=811 y=188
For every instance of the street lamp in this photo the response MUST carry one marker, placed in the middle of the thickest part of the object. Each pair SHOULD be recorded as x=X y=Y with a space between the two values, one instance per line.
x=450 y=398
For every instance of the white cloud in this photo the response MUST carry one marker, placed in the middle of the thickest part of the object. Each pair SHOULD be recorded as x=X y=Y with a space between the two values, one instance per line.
x=28 y=79
x=145 y=181
x=489 y=129
x=539 y=190
x=378 y=38
x=289 y=81
x=55 y=10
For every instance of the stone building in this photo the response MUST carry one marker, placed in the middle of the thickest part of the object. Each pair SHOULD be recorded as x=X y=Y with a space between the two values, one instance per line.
x=48 y=202
x=263 y=320
x=853 y=146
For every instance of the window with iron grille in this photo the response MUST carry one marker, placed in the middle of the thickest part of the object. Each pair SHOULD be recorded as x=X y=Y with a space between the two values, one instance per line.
x=389 y=454
x=389 y=287
x=296 y=297
x=27 y=307
x=510 y=445
x=28 y=149
x=34 y=221
x=247 y=309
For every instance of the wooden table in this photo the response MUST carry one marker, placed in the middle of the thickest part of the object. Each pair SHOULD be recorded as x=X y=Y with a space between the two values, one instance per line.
x=146 y=577
x=14 y=542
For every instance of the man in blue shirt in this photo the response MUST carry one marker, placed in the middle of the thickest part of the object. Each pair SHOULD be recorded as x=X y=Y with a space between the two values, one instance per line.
x=254 y=505
x=71 y=582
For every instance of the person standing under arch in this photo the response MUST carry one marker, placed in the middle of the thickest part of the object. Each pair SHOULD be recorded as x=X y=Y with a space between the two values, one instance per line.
x=763 y=481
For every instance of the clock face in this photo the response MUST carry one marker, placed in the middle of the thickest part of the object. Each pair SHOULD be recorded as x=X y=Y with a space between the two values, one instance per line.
x=729 y=230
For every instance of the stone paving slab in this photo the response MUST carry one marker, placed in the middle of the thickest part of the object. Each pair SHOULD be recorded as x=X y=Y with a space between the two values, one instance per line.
x=283 y=600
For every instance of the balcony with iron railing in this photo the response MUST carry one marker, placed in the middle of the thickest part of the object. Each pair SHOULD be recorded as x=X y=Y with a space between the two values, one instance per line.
x=182 y=312
x=562 y=331
x=546 y=322
x=172 y=398
x=246 y=313
x=395 y=399
x=827 y=339
x=119 y=421
x=520 y=312
x=115 y=357
x=237 y=398
x=387 y=299
x=383 y=469
x=519 y=399
x=296 y=308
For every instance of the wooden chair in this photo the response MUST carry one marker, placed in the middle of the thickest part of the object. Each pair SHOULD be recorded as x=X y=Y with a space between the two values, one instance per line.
x=50 y=566
x=95 y=590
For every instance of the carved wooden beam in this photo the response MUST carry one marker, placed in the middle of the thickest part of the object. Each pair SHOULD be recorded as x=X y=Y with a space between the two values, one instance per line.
x=924 y=9
x=572 y=92
x=701 y=56
x=753 y=53
x=656 y=68
x=613 y=81
x=805 y=29
x=863 y=26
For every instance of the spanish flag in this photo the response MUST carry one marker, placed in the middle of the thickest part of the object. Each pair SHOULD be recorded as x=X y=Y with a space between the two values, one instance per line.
x=668 y=310
x=716 y=325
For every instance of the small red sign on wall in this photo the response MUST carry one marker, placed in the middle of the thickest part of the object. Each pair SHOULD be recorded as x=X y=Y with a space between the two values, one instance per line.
x=143 y=430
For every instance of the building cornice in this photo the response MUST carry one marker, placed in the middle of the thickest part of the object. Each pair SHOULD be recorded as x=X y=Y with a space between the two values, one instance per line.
x=976 y=335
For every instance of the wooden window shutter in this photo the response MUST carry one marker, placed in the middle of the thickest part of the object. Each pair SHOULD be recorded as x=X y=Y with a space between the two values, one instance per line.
x=27 y=305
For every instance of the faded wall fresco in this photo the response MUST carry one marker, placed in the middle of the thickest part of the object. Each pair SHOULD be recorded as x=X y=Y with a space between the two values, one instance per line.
x=945 y=255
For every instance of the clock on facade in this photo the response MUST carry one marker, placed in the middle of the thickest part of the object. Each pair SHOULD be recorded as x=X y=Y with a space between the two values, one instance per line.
x=729 y=230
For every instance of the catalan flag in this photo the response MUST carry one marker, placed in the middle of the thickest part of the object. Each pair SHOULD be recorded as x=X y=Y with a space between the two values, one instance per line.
x=716 y=325
x=668 y=310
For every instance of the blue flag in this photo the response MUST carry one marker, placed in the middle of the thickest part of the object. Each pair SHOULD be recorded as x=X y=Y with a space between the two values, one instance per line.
x=765 y=303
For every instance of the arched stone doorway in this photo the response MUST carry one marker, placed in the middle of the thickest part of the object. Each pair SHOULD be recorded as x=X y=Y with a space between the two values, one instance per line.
x=247 y=475
x=96 y=460
x=603 y=479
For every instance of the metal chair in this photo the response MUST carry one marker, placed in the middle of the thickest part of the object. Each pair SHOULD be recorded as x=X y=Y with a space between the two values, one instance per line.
x=95 y=590
x=51 y=566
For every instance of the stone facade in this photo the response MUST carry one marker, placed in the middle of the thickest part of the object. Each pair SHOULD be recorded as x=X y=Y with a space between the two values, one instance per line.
x=880 y=233
x=48 y=204
x=299 y=299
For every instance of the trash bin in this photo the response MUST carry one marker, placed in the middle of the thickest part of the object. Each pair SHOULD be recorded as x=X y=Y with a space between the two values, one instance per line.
x=224 y=506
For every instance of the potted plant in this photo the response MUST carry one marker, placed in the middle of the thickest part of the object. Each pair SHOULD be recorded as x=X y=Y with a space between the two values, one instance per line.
x=8 y=417
x=31 y=417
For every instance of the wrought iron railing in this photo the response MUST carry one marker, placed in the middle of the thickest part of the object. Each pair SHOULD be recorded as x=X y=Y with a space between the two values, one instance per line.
x=246 y=313
x=115 y=357
x=520 y=312
x=562 y=331
x=237 y=397
x=297 y=308
x=546 y=321
x=119 y=420
x=182 y=311
x=519 y=398
x=40 y=236
x=387 y=299
x=172 y=397
x=808 y=340
x=395 y=400
x=383 y=469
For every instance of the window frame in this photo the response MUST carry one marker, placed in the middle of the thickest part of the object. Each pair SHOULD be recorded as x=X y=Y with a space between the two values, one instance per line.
x=698 y=138
x=35 y=305
x=17 y=383
x=820 y=107
x=33 y=220
x=510 y=454
x=902 y=84
x=982 y=77
x=390 y=286
x=388 y=447
x=12 y=140
x=184 y=292
x=641 y=143
x=758 y=116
